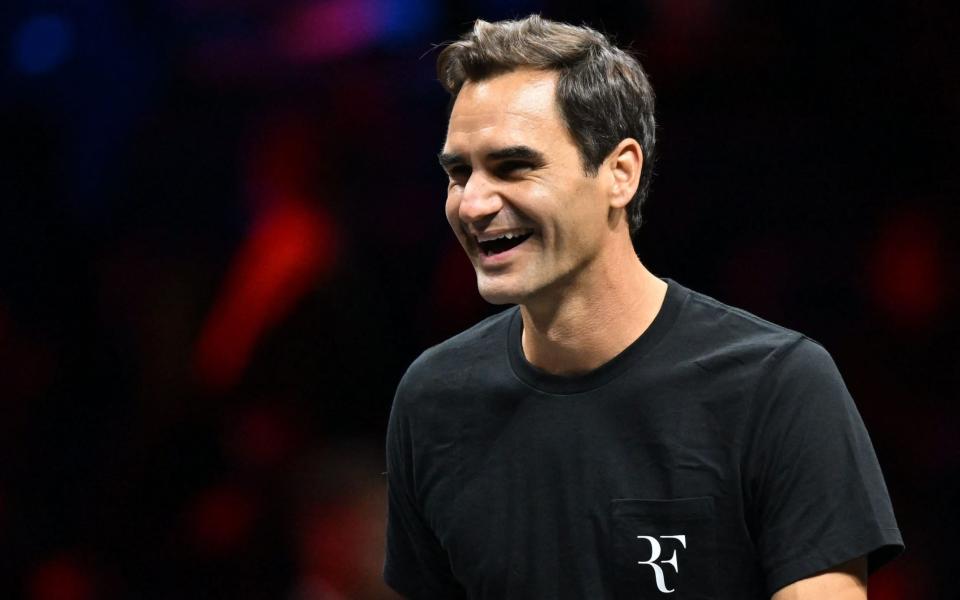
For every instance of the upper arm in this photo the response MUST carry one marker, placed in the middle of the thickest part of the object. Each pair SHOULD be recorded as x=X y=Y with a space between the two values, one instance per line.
x=817 y=493
x=847 y=581
x=415 y=563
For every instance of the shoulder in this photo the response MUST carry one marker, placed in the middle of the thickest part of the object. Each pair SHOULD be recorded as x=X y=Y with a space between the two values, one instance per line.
x=453 y=354
x=788 y=381
x=723 y=336
x=445 y=365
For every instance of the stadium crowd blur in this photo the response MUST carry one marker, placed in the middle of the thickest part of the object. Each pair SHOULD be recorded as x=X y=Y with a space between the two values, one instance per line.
x=223 y=241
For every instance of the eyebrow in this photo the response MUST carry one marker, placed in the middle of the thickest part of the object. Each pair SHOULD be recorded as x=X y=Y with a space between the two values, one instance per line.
x=449 y=159
x=521 y=152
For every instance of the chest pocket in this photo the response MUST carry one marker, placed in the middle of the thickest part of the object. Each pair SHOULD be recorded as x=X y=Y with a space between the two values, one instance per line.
x=663 y=549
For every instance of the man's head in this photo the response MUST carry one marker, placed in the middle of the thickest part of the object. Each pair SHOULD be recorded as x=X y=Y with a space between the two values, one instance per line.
x=548 y=151
x=602 y=92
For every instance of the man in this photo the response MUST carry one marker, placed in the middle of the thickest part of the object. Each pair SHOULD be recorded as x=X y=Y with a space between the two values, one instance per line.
x=615 y=435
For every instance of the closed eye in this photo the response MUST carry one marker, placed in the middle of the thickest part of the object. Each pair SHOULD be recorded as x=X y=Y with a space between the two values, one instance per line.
x=511 y=168
x=459 y=174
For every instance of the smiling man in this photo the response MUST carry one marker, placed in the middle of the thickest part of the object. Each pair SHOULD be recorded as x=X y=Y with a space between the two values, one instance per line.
x=613 y=435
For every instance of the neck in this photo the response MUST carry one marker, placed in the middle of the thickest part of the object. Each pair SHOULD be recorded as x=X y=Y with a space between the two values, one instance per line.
x=583 y=326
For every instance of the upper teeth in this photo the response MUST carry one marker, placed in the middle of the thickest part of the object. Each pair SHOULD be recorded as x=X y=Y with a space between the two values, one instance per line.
x=509 y=235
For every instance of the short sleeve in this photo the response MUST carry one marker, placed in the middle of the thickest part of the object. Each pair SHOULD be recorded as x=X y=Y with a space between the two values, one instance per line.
x=415 y=564
x=818 y=496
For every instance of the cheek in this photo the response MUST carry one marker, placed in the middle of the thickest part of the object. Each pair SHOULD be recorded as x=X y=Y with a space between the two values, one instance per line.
x=452 y=210
x=584 y=214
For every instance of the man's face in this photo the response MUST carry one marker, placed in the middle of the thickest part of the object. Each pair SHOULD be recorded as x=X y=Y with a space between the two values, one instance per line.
x=518 y=199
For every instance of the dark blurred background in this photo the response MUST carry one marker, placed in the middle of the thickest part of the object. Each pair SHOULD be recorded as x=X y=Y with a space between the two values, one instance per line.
x=222 y=243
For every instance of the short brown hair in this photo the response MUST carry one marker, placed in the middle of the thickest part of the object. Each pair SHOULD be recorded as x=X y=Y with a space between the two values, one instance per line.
x=602 y=91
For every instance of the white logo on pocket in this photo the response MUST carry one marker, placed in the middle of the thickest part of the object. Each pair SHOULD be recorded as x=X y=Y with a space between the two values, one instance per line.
x=655 y=550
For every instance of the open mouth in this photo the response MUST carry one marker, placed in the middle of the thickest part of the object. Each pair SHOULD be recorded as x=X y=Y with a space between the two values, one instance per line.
x=503 y=242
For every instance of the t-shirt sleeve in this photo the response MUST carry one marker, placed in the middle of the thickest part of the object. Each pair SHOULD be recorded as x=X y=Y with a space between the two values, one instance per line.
x=818 y=498
x=415 y=564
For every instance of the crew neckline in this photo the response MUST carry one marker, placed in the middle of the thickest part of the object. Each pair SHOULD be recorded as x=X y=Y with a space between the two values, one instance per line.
x=575 y=384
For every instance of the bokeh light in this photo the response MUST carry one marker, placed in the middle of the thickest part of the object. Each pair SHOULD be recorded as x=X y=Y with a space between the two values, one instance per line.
x=42 y=43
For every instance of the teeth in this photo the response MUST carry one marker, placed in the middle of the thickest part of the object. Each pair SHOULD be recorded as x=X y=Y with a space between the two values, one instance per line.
x=503 y=236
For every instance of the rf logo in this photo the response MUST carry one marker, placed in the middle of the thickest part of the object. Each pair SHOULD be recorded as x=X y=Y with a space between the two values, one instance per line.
x=655 y=551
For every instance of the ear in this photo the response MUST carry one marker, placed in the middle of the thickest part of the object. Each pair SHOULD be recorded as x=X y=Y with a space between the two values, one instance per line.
x=624 y=164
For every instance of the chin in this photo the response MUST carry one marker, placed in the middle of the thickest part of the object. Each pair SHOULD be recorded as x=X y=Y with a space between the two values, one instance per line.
x=499 y=292
x=499 y=297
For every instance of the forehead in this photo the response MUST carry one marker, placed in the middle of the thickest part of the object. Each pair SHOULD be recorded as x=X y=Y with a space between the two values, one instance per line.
x=515 y=108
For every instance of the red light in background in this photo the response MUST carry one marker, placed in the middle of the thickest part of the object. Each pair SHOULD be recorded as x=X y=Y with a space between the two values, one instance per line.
x=292 y=244
x=61 y=578
x=220 y=520
x=455 y=302
x=284 y=158
x=903 y=579
x=907 y=269
x=329 y=546
x=341 y=545
x=261 y=436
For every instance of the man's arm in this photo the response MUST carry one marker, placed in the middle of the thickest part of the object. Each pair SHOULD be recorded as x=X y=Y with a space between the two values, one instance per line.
x=415 y=563
x=843 y=582
x=815 y=489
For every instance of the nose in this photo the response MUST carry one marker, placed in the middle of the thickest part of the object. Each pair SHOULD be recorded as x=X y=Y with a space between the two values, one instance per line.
x=480 y=199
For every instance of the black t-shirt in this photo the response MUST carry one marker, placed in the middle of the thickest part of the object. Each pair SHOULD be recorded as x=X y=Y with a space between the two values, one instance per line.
x=718 y=456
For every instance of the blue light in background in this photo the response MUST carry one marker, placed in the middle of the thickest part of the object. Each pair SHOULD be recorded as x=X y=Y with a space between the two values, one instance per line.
x=42 y=43
x=405 y=19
